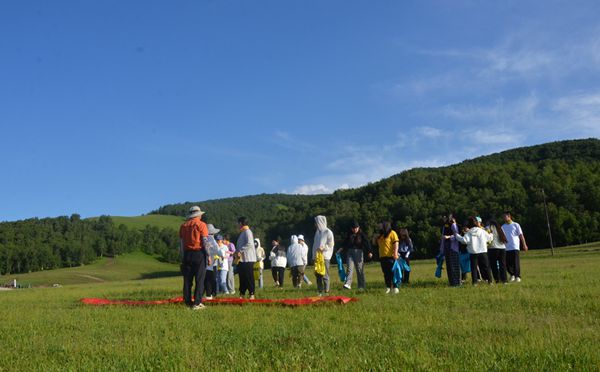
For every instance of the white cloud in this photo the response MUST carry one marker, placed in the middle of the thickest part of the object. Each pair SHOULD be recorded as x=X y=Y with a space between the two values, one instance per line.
x=290 y=142
x=579 y=114
x=312 y=189
x=429 y=132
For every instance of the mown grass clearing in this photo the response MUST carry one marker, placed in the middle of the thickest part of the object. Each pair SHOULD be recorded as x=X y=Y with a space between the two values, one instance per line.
x=155 y=220
x=129 y=266
x=549 y=321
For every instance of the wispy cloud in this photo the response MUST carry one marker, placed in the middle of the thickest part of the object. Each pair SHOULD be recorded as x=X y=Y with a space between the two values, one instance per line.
x=579 y=113
x=290 y=142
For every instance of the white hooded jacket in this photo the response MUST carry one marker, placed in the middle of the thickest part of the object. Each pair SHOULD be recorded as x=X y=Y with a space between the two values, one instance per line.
x=260 y=253
x=278 y=257
x=323 y=238
x=476 y=240
x=295 y=254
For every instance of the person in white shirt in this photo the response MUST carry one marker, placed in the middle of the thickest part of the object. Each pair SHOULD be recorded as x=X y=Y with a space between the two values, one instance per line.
x=497 y=251
x=476 y=240
x=515 y=242
x=302 y=242
x=278 y=257
x=222 y=265
x=260 y=258
x=296 y=260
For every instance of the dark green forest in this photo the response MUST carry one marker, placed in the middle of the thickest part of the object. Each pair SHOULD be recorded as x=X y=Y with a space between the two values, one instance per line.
x=568 y=171
x=50 y=243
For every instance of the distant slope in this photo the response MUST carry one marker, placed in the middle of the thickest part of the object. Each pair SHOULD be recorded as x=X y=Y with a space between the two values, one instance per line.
x=131 y=266
x=140 y=222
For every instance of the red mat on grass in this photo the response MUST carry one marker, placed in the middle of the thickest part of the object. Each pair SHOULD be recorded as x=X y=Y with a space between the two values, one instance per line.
x=225 y=301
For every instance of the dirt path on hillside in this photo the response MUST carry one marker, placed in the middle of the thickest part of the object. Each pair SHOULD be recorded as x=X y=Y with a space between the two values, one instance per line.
x=91 y=277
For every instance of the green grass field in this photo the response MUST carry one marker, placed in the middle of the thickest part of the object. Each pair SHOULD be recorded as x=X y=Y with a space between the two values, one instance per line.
x=549 y=321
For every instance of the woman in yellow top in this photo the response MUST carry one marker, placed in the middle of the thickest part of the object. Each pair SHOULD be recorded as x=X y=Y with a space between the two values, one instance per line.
x=388 y=242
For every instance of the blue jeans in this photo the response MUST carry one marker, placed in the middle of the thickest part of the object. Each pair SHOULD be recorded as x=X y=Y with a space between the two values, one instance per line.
x=222 y=281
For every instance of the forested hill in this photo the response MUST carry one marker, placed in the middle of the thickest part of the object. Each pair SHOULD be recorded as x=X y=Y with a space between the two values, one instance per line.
x=568 y=171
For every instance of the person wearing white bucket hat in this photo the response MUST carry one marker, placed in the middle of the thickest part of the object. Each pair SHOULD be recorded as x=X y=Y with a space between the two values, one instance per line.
x=193 y=235
x=212 y=250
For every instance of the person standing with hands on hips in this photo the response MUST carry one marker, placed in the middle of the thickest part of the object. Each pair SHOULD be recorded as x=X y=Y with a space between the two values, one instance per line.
x=515 y=242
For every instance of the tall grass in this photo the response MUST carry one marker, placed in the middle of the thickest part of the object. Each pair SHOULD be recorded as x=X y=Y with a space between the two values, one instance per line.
x=549 y=321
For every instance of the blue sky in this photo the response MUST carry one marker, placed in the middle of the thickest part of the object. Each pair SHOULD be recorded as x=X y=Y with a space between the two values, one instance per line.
x=113 y=107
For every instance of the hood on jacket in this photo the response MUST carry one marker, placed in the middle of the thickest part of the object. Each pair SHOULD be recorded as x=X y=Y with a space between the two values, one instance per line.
x=256 y=243
x=294 y=239
x=321 y=222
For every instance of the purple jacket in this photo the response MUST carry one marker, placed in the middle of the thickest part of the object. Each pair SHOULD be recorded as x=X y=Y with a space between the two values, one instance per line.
x=231 y=252
x=454 y=245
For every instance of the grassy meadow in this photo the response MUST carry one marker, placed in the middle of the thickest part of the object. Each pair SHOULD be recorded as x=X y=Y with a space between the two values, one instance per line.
x=549 y=321
x=140 y=222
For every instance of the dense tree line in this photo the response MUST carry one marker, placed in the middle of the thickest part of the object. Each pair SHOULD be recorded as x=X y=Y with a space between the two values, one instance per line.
x=49 y=243
x=568 y=172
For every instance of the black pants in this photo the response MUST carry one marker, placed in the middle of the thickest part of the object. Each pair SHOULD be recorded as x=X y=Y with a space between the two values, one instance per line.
x=278 y=274
x=193 y=268
x=387 y=263
x=210 y=283
x=498 y=264
x=246 y=273
x=452 y=265
x=297 y=275
x=480 y=261
x=405 y=274
x=513 y=263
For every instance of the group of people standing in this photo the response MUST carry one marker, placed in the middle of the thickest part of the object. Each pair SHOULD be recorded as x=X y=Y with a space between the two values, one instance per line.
x=210 y=259
x=492 y=251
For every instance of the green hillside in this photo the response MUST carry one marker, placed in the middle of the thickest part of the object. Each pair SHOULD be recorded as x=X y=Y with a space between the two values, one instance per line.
x=140 y=222
x=131 y=266
x=568 y=171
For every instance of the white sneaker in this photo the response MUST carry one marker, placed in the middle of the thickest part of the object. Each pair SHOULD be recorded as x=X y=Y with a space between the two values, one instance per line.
x=518 y=279
x=320 y=294
x=251 y=297
x=387 y=290
x=346 y=286
x=208 y=297
x=198 y=307
x=512 y=278
x=396 y=291
x=232 y=292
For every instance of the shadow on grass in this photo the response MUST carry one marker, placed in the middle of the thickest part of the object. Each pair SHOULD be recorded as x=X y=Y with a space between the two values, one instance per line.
x=160 y=274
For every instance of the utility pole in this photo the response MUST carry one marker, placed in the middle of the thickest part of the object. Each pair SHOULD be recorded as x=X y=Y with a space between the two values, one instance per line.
x=548 y=222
